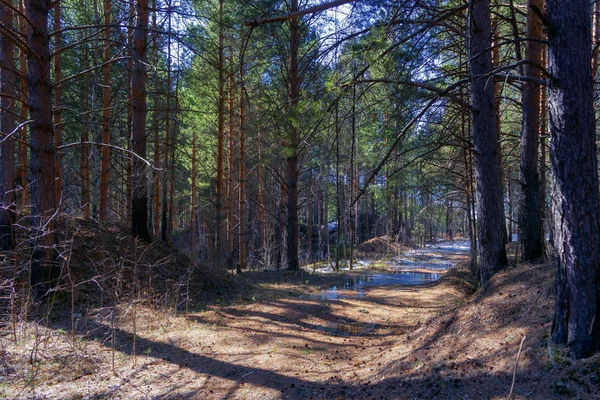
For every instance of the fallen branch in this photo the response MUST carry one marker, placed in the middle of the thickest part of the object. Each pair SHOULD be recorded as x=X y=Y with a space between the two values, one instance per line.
x=512 y=386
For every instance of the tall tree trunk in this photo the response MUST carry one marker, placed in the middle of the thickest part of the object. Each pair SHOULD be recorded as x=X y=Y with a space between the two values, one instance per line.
x=309 y=217
x=531 y=229
x=575 y=206
x=595 y=37
x=164 y=228
x=490 y=207
x=543 y=135
x=231 y=204
x=84 y=161
x=220 y=142
x=242 y=178
x=262 y=215
x=139 y=218
x=105 y=164
x=43 y=155
x=155 y=128
x=7 y=124
x=193 y=246
x=497 y=98
x=57 y=100
x=509 y=201
x=338 y=207
x=172 y=165
x=291 y=146
x=129 y=171
x=23 y=170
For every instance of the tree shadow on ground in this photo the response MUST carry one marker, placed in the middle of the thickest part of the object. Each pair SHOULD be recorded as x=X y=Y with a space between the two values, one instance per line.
x=455 y=380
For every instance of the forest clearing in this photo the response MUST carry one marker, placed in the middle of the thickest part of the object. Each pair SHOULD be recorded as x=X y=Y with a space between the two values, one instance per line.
x=299 y=199
x=281 y=334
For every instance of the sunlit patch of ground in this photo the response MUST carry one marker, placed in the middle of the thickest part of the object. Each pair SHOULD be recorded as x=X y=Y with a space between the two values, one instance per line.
x=279 y=341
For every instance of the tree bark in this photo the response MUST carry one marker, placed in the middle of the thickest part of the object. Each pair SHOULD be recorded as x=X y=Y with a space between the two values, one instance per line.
x=193 y=245
x=291 y=146
x=164 y=228
x=242 y=178
x=490 y=208
x=220 y=142
x=57 y=112
x=139 y=200
x=574 y=166
x=43 y=156
x=84 y=162
x=105 y=164
x=23 y=168
x=531 y=229
x=7 y=124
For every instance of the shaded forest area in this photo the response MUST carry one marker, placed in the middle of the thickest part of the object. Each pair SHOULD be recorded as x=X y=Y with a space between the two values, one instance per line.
x=204 y=161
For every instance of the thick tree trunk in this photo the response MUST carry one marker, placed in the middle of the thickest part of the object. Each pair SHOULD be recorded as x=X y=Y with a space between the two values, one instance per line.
x=531 y=230
x=43 y=155
x=490 y=208
x=23 y=168
x=105 y=164
x=595 y=37
x=139 y=200
x=291 y=146
x=164 y=228
x=7 y=124
x=543 y=143
x=575 y=207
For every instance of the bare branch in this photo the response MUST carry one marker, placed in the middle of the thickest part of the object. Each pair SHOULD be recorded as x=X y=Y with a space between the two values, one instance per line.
x=296 y=14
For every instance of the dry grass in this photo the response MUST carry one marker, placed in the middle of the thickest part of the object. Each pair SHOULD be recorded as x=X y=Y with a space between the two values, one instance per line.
x=271 y=335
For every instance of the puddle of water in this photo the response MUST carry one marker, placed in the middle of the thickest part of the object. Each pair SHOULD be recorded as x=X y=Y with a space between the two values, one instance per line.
x=348 y=329
x=432 y=257
x=398 y=278
x=344 y=266
x=354 y=287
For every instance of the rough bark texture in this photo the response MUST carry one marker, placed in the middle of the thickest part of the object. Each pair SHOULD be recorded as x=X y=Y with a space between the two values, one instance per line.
x=105 y=164
x=575 y=207
x=531 y=230
x=291 y=147
x=43 y=156
x=164 y=230
x=139 y=200
x=24 y=111
x=490 y=208
x=7 y=124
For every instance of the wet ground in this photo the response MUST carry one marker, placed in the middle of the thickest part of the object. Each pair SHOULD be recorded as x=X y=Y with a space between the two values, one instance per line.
x=416 y=267
x=295 y=340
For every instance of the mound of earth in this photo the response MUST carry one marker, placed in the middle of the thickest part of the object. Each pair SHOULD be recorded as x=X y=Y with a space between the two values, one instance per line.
x=380 y=247
x=101 y=264
x=472 y=352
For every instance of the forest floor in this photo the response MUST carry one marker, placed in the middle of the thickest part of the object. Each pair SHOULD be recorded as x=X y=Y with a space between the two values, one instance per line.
x=277 y=334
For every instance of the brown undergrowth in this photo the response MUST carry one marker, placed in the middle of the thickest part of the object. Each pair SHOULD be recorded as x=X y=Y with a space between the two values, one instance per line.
x=274 y=334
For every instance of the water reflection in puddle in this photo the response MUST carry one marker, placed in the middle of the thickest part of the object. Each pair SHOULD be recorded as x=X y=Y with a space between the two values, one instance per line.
x=406 y=270
x=355 y=285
